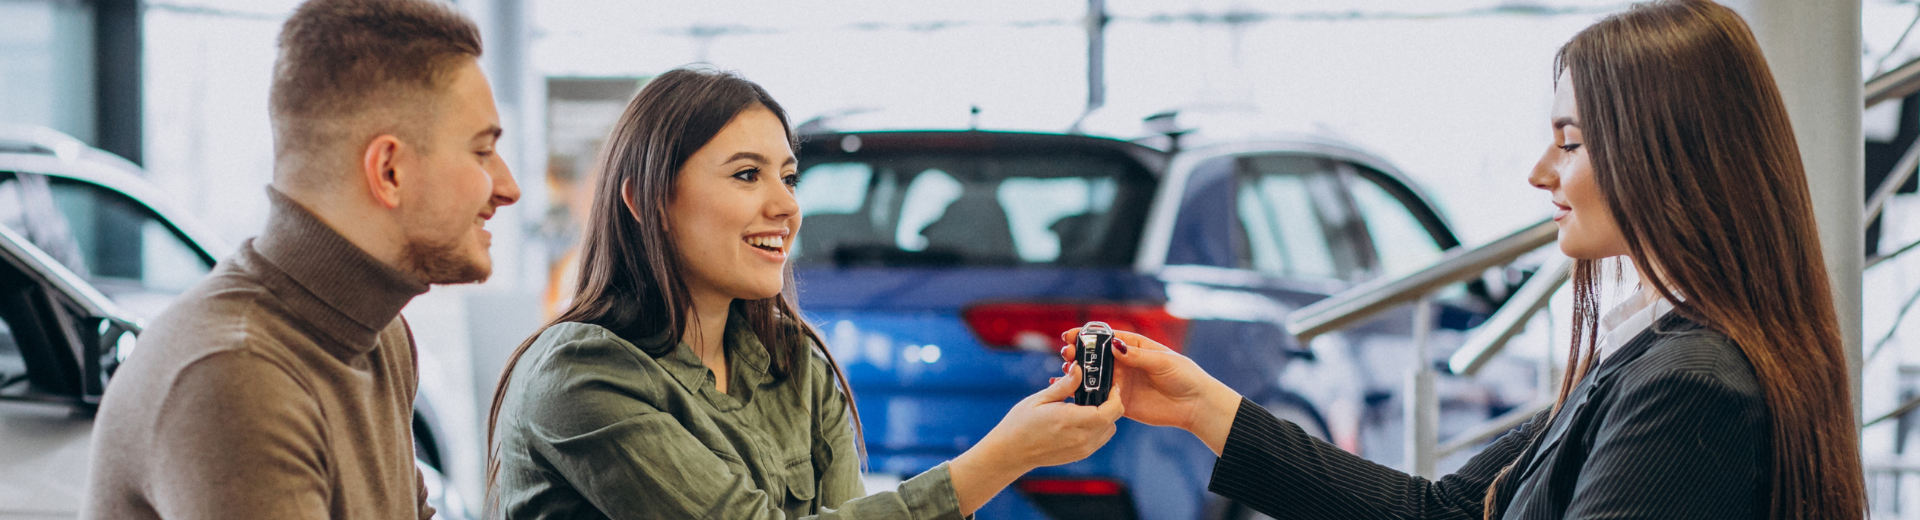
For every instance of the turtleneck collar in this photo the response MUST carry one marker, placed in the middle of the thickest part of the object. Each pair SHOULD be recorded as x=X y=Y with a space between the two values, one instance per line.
x=348 y=294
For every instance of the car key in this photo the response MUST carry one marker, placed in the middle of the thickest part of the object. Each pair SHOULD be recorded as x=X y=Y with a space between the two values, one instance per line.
x=1095 y=347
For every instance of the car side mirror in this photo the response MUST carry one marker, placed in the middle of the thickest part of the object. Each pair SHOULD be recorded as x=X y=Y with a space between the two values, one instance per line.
x=114 y=341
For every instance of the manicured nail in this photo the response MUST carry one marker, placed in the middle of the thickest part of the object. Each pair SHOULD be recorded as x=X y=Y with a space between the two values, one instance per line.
x=1065 y=351
x=1064 y=365
x=1120 y=346
x=1052 y=380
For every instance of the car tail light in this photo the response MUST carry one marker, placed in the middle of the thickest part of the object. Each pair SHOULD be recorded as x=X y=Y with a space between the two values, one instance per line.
x=1076 y=498
x=1075 y=487
x=1037 y=326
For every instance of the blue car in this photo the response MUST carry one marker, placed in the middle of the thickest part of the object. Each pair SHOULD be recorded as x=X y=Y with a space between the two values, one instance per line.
x=941 y=266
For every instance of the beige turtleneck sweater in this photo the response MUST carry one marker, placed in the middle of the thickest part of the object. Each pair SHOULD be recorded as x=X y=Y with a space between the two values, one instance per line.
x=279 y=387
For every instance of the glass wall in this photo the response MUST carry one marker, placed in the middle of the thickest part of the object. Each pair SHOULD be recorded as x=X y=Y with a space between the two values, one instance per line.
x=46 y=66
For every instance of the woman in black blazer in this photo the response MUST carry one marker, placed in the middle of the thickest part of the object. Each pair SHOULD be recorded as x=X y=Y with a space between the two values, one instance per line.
x=1718 y=391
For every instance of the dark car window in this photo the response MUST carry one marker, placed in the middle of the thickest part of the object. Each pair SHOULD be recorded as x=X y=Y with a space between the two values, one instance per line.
x=1401 y=242
x=1293 y=218
x=972 y=209
x=13 y=367
x=36 y=359
x=117 y=244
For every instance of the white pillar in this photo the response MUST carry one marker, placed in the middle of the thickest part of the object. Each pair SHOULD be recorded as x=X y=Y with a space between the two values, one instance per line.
x=520 y=95
x=1422 y=404
x=1813 y=48
x=498 y=314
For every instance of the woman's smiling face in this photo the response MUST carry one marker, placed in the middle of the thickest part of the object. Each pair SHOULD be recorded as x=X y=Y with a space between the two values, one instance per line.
x=1588 y=230
x=734 y=215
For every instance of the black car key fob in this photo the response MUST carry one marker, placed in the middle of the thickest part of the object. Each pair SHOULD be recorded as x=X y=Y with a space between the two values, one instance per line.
x=1095 y=356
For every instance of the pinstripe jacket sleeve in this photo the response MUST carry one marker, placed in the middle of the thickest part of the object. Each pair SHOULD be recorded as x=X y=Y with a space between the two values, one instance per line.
x=1273 y=467
x=1671 y=426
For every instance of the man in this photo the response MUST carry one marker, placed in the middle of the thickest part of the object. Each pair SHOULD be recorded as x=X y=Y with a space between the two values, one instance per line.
x=282 y=385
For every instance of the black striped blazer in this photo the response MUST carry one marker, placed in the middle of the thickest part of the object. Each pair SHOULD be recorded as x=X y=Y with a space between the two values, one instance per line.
x=1672 y=425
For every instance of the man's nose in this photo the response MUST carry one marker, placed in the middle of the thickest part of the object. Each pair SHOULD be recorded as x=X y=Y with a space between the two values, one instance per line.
x=505 y=190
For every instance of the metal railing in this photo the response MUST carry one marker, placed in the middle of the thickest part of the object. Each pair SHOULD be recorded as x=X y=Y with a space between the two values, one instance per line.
x=1900 y=82
x=1460 y=264
x=1532 y=296
x=1361 y=303
x=1893 y=85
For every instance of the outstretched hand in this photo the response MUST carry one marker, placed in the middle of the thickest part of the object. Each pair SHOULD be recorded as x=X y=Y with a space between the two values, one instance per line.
x=1041 y=430
x=1045 y=430
x=1163 y=388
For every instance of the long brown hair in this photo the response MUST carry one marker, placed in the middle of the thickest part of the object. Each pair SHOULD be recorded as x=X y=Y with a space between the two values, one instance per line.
x=630 y=274
x=1694 y=154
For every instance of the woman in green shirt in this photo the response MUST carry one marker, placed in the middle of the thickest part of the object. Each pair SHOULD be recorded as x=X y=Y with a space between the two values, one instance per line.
x=681 y=382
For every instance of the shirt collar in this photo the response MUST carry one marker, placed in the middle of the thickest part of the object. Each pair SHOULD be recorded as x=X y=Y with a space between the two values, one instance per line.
x=1630 y=318
x=344 y=292
x=746 y=356
x=746 y=345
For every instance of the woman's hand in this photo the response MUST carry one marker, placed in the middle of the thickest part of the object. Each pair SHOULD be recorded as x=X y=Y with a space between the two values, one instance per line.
x=1041 y=430
x=1163 y=388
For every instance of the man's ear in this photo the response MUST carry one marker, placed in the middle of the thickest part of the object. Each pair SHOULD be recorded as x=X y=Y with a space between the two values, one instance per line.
x=378 y=169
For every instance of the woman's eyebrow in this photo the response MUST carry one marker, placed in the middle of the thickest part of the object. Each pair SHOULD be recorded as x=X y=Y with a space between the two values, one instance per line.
x=1563 y=122
x=755 y=157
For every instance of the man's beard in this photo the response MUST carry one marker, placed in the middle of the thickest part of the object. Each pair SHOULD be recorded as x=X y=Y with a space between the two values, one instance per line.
x=441 y=263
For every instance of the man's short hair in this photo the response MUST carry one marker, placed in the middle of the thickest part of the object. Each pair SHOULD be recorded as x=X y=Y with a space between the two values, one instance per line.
x=354 y=69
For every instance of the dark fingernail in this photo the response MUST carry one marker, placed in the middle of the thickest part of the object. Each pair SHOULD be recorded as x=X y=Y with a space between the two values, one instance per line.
x=1120 y=346
x=1063 y=366
x=1065 y=351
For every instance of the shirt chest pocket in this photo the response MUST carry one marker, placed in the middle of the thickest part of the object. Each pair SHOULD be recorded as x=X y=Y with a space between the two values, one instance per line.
x=800 y=481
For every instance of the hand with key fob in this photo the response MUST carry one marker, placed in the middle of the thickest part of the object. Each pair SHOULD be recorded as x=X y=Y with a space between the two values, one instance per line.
x=1041 y=430
x=1163 y=388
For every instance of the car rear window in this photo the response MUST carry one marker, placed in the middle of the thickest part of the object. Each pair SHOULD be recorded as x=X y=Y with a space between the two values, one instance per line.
x=965 y=209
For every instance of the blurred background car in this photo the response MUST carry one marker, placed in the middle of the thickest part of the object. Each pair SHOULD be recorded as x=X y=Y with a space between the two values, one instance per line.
x=942 y=265
x=91 y=254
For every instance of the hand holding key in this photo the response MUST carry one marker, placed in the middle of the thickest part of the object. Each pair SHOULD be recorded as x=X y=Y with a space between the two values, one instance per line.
x=1163 y=388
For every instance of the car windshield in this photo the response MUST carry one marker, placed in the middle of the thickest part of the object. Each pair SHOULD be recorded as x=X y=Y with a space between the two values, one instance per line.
x=1060 y=209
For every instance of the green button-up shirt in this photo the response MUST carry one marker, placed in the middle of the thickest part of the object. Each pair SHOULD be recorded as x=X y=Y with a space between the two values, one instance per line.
x=593 y=427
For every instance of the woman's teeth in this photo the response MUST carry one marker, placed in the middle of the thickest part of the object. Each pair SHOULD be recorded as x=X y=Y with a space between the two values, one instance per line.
x=775 y=243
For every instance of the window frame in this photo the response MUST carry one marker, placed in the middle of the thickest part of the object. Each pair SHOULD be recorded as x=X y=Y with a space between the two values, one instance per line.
x=1397 y=186
x=140 y=207
x=1351 y=259
x=1422 y=211
x=67 y=311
